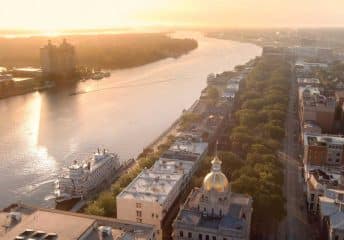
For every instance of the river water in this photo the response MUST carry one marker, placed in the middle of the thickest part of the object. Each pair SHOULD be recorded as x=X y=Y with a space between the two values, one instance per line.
x=42 y=132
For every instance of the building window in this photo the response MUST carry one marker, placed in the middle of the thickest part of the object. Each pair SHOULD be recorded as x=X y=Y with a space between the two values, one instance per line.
x=336 y=238
x=214 y=237
x=200 y=236
x=312 y=197
x=138 y=205
x=220 y=212
x=212 y=211
x=181 y=234
x=190 y=235
x=224 y=238
x=138 y=213
x=206 y=237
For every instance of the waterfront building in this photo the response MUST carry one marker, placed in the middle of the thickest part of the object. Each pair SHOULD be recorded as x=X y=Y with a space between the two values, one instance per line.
x=229 y=95
x=233 y=86
x=58 y=60
x=151 y=196
x=26 y=222
x=27 y=72
x=317 y=108
x=174 y=166
x=213 y=212
x=48 y=56
x=187 y=150
x=323 y=150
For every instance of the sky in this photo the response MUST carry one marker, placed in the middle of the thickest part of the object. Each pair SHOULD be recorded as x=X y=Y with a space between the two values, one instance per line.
x=54 y=15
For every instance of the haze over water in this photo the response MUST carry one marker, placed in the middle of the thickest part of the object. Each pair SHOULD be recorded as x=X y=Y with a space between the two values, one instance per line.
x=43 y=132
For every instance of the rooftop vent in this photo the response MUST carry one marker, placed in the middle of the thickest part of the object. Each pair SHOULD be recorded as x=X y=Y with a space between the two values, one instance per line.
x=27 y=233
x=50 y=236
x=105 y=232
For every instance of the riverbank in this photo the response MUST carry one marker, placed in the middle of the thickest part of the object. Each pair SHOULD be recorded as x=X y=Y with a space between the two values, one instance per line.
x=205 y=121
x=46 y=131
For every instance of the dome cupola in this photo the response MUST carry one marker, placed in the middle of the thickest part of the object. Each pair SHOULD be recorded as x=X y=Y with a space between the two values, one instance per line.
x=216 y=180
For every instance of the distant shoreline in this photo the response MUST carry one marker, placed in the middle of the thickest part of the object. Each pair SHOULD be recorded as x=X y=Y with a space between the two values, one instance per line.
x=108 y=51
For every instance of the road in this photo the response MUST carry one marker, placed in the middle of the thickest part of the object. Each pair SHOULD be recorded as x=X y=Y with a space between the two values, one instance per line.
x=295 y=226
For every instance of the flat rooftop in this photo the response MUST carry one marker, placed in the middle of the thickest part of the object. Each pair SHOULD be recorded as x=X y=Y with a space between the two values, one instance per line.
x=188 y=146
x=151 y=187
x=172 y=166
x=61 y=225
x=308 y=81
x=28 y=69
x=322 y=140
x=21 y=79
x=331 y=178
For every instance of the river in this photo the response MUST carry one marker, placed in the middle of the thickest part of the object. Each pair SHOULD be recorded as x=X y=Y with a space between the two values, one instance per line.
x=43 y=132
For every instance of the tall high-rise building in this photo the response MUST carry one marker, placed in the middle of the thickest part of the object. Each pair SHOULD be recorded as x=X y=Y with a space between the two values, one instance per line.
x=58 y=61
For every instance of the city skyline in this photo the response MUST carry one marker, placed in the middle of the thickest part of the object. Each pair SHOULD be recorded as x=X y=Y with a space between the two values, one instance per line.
x=45 y=16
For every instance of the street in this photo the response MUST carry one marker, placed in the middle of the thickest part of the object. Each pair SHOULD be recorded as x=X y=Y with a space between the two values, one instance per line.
x=295 y=226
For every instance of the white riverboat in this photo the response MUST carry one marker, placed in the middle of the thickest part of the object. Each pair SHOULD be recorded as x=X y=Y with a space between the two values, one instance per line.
x=80 y=178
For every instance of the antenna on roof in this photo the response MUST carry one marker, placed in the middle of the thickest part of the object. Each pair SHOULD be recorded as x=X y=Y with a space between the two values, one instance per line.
x=216 y=145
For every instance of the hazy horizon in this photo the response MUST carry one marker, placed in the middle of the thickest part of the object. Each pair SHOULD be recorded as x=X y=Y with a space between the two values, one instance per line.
x=52 y=16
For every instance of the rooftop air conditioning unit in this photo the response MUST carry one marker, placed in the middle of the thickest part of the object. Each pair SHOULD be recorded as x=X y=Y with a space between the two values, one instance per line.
x=105 y=232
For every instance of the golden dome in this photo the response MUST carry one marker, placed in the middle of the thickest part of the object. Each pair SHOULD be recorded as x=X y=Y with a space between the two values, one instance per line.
x=216 y=180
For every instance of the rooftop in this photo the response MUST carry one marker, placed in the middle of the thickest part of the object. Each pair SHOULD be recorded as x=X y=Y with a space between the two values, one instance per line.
x=151 y=186
x=233 y=86
x=337 y=220
x=331 y=206
x=31 y=221
x=322 y=140
x=171 y=166
x=312 y=97
x=21 y=79
x=186 y=150
x=310 y=81
x=329 y=179
x=190 y=215
x=28 y=69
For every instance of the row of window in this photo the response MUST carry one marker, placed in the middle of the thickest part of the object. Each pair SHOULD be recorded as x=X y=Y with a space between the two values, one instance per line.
x=330 y=160
x=139 y=214
x=335 y=146
x=200 y=236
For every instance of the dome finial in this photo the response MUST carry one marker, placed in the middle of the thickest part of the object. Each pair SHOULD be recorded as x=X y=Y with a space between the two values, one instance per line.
x=216 y=162
x=216 y=179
